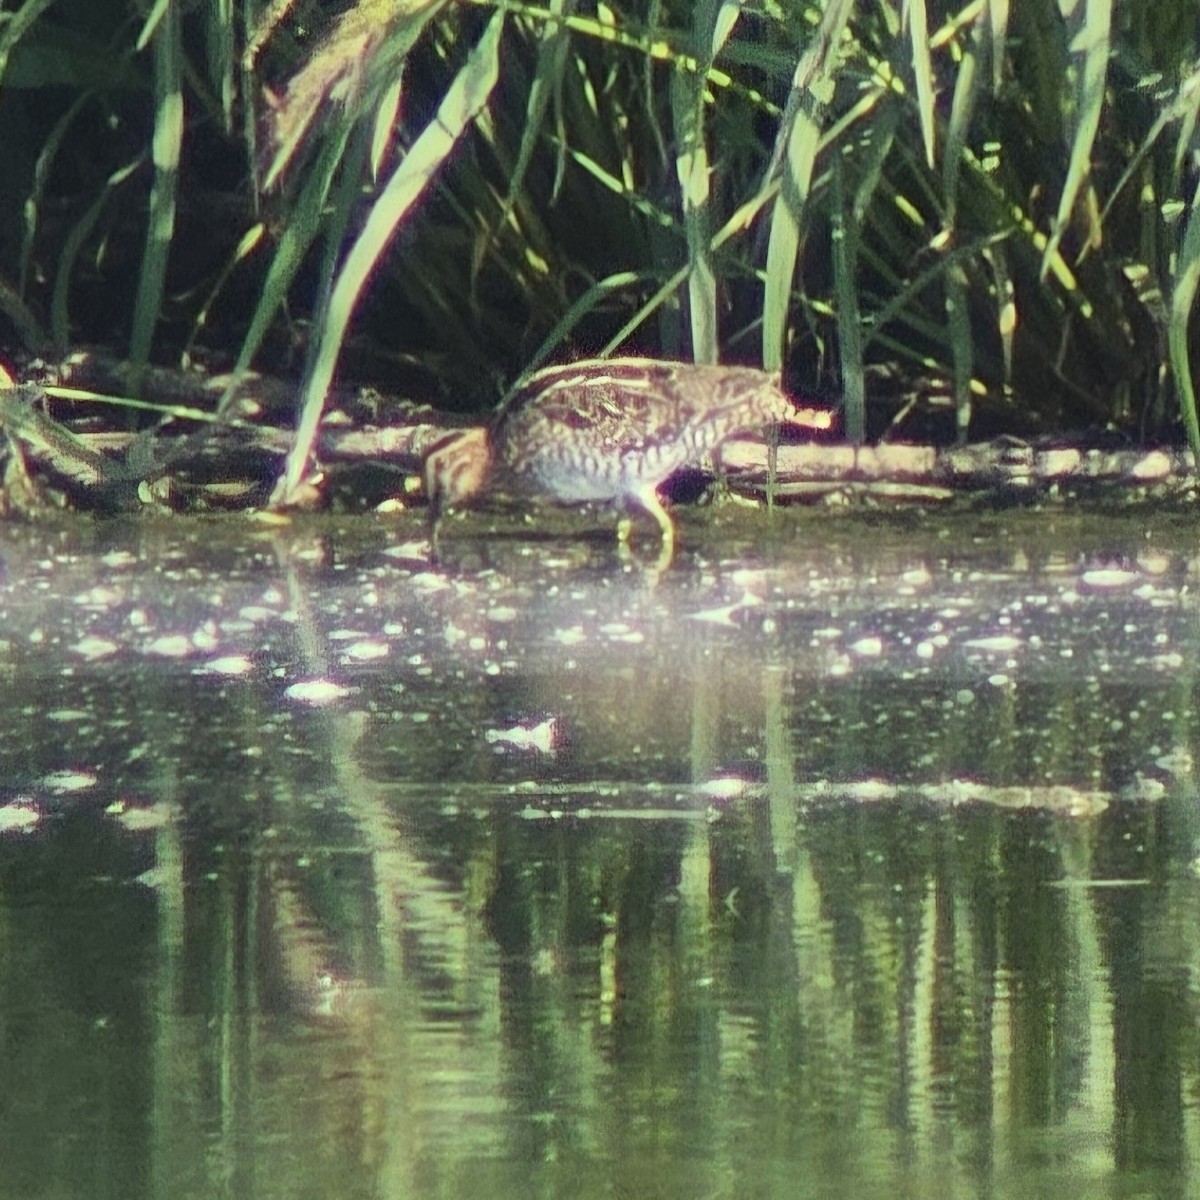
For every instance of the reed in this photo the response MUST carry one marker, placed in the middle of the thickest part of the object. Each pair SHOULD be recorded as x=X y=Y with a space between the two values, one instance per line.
x=968 y=218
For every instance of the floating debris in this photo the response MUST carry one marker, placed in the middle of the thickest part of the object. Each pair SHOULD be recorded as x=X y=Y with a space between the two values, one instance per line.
x=317 y=691
x=20 y=816
x=227 y=664
x=542 y=738
x=69 y=781
x=94 y=648
x=140 y=817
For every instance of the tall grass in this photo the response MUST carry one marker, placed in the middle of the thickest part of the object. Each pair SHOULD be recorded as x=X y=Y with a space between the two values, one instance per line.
x=964 y=218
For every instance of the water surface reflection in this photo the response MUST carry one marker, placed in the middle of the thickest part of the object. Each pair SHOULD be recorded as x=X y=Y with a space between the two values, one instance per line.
x=858 y=868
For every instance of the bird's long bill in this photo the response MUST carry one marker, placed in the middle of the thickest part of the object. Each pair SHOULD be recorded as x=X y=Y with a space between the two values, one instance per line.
x=811 y=418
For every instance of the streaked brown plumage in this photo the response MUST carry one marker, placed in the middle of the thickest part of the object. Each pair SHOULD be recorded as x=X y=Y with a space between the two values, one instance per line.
x=610 y=430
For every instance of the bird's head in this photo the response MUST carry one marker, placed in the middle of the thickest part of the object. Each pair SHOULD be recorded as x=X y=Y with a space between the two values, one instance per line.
x=456 y=468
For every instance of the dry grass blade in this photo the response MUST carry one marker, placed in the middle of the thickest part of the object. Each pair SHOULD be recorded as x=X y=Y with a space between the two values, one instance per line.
x=917 y=21
x=547 y=83
x=796 y=151
x=219 y=26
x=17 y=25
x=595 y=295
x=1006 y=306
x=961 y=346
x=1090 y=46
x=337 y=81
x=60 y=323
x=692 y=168
x=850 y=341
x=962 y=109
x=1183 y=299
x=783 y=249
x=33 y=202
x=165 y=151
x=297 y=237
x=997 y=19
x=420 y=167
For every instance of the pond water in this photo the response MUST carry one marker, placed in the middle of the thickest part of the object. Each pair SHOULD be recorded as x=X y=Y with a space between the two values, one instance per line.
x=857 y=859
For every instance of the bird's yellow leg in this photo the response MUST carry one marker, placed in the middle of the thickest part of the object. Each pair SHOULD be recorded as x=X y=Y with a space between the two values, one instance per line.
x=772 y=466
x=647 y=497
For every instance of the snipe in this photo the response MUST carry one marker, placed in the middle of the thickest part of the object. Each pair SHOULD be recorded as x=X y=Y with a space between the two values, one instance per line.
x=611 y=430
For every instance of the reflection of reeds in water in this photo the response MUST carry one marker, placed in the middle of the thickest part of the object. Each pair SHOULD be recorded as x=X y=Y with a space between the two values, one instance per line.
x=599 y=987
x=910 y=966
x=308 y=980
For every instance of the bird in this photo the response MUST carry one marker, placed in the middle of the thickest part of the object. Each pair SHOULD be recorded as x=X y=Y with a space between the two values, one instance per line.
x=610 y=431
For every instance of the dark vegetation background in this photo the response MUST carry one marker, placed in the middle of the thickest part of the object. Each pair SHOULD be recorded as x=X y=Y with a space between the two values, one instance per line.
x=962 y=219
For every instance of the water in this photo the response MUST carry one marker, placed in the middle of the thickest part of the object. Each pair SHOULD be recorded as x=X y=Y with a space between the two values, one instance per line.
x=860 y=860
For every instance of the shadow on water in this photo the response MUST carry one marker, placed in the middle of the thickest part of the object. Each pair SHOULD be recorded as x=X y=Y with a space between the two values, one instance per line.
x=858 y=863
